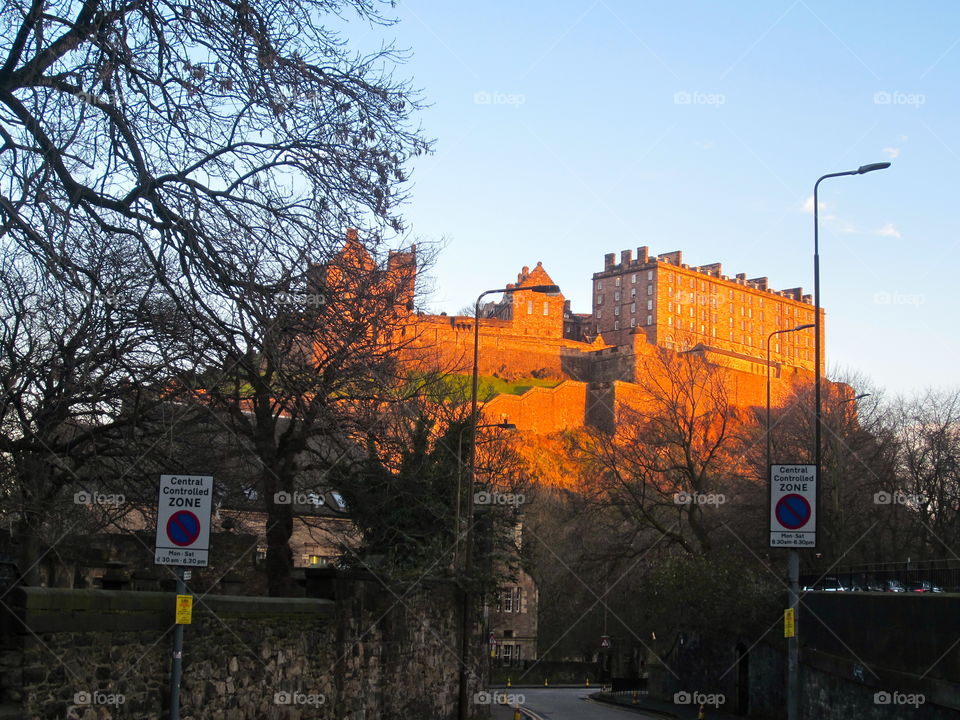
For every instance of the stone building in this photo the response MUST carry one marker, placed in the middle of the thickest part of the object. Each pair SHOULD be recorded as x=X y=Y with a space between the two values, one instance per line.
x=680 y=306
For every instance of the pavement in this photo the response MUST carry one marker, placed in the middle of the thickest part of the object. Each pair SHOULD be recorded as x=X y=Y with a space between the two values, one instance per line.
x=559 y=702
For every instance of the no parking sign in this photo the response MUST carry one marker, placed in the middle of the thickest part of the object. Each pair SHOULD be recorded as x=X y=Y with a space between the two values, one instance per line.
x=183 y=520
x=793 y=506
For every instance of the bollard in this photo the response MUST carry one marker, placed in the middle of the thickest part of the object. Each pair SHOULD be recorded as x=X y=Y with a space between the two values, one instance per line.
x=508 y=683
x=546 y=682
x=588 y=682
x=702 y=714
x=516 y=713
x=635 y=698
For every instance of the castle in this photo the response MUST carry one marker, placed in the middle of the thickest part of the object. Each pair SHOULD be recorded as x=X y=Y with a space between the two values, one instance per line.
x=641 y=307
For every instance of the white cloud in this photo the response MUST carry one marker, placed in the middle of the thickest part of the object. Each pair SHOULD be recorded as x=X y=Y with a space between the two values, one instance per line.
x=888 y=230
x=892 y=152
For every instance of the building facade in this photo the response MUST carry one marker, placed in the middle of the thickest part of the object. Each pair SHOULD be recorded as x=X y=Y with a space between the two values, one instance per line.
x=679 y=306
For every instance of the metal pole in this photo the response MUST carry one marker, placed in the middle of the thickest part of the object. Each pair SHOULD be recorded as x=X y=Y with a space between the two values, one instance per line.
x=176 y=667
x=793 y=647
x=463 y=712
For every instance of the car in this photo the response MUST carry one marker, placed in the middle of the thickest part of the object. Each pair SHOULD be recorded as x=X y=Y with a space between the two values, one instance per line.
x=923 y=586
x=831 y=584
x=892 y=586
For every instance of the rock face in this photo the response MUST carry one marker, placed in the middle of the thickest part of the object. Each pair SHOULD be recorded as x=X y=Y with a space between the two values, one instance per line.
x=359 y=653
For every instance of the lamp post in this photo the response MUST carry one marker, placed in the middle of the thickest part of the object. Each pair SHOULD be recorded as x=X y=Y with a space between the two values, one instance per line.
x=793 y=684
x=793 y=557
x=463 y=702
x=770 y=337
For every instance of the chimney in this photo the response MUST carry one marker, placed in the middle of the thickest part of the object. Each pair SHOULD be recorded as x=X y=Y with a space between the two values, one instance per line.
x=351 y=234
x=643 y=255
x=625 y=257
x=608 y=261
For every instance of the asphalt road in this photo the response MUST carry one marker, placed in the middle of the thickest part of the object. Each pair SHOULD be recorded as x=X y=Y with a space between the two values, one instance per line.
x=569 y=704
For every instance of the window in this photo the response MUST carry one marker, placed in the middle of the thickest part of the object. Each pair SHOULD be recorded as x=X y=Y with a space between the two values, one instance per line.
x=649 y=274
x=649 y=319
x=633 y=279
x=599 y=284
x=679 y=308
x=599 y=314
x=616 y=311
x=546 y=308
x=670 y=307
x=529 y=307
x=633 y=322
x=633 y=292
x=616 y=324
x=617 y=281
x=649 y=289
x=599 y=299
x=633 y=307
x=649 y=304
x=616 y=296
x=692 y=312
x=670 y=320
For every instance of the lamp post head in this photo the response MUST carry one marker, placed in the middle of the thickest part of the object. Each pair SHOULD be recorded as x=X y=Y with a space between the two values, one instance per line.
x=871 y=167
x=546 y=289
x=803 y=327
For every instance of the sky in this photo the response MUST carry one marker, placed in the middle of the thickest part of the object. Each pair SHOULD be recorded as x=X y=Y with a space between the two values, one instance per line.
x=568 y=130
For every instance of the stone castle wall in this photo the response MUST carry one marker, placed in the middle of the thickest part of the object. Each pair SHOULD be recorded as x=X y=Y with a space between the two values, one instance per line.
x=354 y=651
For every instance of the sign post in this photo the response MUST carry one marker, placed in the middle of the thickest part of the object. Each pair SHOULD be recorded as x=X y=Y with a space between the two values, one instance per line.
x=793 y=524
x=183 y=539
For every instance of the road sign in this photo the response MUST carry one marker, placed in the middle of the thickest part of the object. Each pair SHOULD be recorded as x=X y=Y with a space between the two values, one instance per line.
x=183 y=520
x=605 y=641
x=793 y=505
x=184 y=609
x=789 y=628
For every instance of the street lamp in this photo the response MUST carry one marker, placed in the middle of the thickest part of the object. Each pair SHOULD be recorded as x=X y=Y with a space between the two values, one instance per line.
x=793 y=660
x=468 y=535
x=769 y=337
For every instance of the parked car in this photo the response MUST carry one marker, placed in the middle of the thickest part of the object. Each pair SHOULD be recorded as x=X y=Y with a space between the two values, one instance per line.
x=831 y=584
x=923 y=586
x=892 y=586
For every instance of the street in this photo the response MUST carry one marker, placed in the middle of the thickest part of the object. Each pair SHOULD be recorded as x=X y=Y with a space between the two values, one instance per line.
x=568 y=704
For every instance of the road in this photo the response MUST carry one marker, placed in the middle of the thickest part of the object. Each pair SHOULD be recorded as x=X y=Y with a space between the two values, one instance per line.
x=569 y=704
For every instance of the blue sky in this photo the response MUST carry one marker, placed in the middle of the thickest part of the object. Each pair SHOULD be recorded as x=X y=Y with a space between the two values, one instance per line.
x=567 y=130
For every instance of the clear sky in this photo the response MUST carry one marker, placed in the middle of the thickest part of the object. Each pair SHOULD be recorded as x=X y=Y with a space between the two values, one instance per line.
x=567 y=130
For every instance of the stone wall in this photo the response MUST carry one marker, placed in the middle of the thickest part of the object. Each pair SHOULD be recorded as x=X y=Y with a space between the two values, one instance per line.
x=362 y=651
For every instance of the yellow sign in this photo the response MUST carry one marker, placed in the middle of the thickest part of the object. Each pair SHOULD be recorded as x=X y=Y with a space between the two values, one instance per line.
x=789 y=630
x=184 y=609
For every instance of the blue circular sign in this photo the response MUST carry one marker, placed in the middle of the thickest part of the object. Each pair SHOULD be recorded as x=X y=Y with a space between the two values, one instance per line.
x=793 y=511
x=183 y=528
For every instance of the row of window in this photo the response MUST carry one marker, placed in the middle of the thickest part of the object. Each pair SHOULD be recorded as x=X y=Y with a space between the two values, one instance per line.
x=633 y=322
x=546 y=307
x=633 y=280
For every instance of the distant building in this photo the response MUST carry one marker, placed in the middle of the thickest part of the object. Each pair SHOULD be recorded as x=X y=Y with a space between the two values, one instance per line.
x=678 y=306
x=513 y=622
